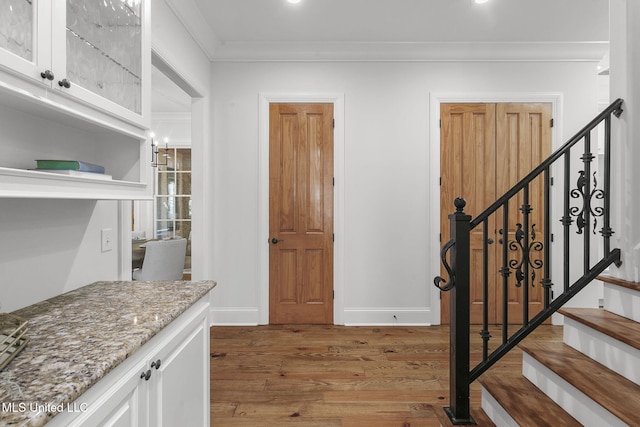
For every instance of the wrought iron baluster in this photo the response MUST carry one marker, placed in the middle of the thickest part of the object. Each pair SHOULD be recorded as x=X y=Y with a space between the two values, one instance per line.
x=546 y=280
x=504 y=270
x=566 y=219
x=484 y=333
x=587 y=158
x=607 y=231
x=526 y=260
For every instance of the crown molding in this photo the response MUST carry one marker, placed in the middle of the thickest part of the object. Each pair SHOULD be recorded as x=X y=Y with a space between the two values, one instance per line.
x=188 y=13
x=410 y=51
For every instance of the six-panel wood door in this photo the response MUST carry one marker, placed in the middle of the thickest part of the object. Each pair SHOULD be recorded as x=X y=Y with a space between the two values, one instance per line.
x=484 y=150
x=301 y=213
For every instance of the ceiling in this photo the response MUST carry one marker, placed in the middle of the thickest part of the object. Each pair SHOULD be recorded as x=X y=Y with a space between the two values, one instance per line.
x=329 y=29
x=424 y=30
x=406 y=20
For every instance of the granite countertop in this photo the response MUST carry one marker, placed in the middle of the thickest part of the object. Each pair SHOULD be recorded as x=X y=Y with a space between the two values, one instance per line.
x=78 y=337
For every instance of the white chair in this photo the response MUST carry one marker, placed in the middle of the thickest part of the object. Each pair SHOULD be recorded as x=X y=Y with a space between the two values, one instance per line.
x=163 y=260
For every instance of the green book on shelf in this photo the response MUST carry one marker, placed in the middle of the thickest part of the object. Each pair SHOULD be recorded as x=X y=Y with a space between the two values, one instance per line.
x=69 y=165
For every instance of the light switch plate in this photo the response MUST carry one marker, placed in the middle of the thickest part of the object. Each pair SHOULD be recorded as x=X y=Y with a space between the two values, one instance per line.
x=107 y=239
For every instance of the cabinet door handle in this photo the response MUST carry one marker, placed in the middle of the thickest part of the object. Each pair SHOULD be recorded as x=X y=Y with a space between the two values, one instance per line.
x=47 y=74
x=146 y=375
x=64 y=83
x=156 y=364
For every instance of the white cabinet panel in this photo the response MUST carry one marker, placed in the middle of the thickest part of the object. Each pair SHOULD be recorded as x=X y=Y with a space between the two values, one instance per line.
x=178 y=394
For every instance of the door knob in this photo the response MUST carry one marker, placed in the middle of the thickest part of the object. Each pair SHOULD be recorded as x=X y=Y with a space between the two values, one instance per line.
x=47 y=74
x=275 y=241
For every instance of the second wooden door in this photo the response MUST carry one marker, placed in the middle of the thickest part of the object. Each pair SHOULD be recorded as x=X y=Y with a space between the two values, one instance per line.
x=485 y=150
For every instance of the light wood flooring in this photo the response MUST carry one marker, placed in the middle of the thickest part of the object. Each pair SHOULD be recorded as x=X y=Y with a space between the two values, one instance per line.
x=325 y=376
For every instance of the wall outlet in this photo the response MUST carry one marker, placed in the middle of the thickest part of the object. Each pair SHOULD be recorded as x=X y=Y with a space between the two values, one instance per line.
x=107 y=239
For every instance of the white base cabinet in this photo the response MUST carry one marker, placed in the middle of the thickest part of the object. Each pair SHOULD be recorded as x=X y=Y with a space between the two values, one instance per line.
x=165 y=383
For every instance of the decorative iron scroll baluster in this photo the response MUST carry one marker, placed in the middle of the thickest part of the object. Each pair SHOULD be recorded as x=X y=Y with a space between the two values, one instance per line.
x=518 y=265
x=580 y=192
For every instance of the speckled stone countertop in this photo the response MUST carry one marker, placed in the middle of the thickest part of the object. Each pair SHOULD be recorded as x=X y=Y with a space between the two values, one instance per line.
x=78 y=337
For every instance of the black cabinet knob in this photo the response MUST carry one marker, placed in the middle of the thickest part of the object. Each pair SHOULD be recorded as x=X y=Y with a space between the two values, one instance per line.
x=64 y=83
x=156 y=364
x=47 y=74
x=146 y=375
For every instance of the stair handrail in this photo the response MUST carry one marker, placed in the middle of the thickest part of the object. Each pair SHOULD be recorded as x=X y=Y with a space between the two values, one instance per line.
x=458 y=269
x=614 y=108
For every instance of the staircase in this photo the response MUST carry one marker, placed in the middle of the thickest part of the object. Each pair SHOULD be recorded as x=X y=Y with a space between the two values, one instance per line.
x=592 y=378
x=589 y=378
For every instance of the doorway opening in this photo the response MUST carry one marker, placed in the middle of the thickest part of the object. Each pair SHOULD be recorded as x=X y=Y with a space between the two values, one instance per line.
x=169 y=214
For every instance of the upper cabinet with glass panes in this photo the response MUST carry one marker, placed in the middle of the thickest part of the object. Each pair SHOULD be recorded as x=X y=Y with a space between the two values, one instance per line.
x=92 y=56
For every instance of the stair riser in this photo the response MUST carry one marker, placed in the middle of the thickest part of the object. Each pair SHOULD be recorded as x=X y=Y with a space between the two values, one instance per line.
x=613 y=354
x=622 y=301
x=495 y=411
x=572 y=400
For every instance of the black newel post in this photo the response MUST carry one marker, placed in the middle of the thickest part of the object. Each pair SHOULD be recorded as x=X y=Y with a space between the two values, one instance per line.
x=459 y=411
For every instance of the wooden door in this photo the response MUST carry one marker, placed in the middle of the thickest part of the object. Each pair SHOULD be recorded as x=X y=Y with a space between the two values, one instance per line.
x=486 y=149
x=468 y=167
x=523 y=139
x=301 y=213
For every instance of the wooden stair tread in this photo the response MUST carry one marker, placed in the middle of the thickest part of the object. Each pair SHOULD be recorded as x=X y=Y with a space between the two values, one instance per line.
x=611 y=324
x=620 y=282
x=611 y=390
x=478 y=415
x=526 y=403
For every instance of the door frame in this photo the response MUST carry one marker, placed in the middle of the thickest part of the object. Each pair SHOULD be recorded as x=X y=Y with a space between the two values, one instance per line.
x=437 y=98
x=337 y=99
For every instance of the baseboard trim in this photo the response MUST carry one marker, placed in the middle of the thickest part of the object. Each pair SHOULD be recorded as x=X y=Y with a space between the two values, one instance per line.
x=235 y=316
x=388 y=316
x=379 y=316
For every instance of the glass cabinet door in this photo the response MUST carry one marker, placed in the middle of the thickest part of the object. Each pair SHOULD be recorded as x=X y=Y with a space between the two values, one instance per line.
x=104 y=49
x=25 y=36
x=16 y=27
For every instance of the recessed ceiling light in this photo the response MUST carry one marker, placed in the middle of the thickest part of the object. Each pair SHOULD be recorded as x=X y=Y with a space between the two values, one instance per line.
x=294 y=1
x=482 y=1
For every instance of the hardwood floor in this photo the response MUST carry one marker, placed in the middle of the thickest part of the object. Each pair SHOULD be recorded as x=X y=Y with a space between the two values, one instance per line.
x=329 y=376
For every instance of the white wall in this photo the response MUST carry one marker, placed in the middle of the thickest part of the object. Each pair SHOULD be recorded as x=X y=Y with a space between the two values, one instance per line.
x=48 y=247
x=625 y=68
x=391 y=211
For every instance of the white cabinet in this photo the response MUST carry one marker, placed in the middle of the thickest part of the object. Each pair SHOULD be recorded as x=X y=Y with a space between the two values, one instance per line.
x=94 y=51
x=179 y=384
x=165 y=383
x=75 y=84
